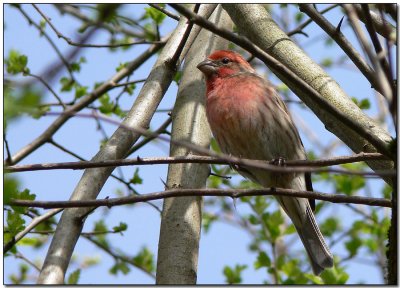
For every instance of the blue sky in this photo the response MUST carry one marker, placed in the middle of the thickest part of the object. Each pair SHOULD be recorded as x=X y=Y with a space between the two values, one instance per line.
x=223 y=245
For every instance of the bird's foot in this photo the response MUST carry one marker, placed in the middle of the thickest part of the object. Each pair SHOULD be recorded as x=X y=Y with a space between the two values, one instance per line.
x=280 y=161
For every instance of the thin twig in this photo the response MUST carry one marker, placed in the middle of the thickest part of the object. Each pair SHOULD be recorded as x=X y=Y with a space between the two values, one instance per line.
x=36 y=221
x=382 y=81
x=383 y=27
x=93 y=233
x=222 y=157
x=126 y=183
x=342 y=41
x=51 y=42
x=377 y=45
x=78 y=44
x=21 y=256
x=49 y=88
x=179 y=49
x=289 y=168
x=84 y=101
x=165 y=11
x=117 y=256
x=299 y=29
x=113 y=29
x=233 y=193
x=130 y=83
x=8 y=159
x=160 y=130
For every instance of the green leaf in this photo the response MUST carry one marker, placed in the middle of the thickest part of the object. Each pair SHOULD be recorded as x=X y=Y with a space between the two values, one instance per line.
x=130 y=88
x=119 y=267
x=260 y=204
x=335 y=275
x=15 y=223
x=121 y=66
x=363 y=104
x=121 y=227
x=107 y=106
x=329 y=41
x=330 y=226
x=353 y=245
x=66 y=84
x=107 y=12
x=327 y=62
x=80 y=91
x=73 y=278
x=149 y=32
x=145 y=260
x=33 y=242
x=177 y=77
x=273 y=222
x=16 y=63
x=75 y=67
x=253 y=219
x=10 y=188
x=155 y=14
x=299 y=16
x=349 y=185
x=100 y=226
x=387 y=192
x=263 y=260
x=136 y=179
x=25 y=101
x=233 y=275
x=207 y=220
x=11 y=192
x=314 y=279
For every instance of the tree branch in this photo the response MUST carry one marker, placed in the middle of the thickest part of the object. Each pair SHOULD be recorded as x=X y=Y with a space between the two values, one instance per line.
x=299 y=29
x=383 y=27
x=356 y=126
x=342 y=41
x=36 y=221
x=383 y=82
x=121 y=257
x=75 y=12
x=233 y=193
x=49 y=88
x=78 y=44
x=52 y=44
x=139 y=116
x=165 y=11
x=291 y=165
x=84 y=101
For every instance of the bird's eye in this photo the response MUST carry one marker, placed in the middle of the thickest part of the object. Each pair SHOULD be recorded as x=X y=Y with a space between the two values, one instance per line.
x=225 y=60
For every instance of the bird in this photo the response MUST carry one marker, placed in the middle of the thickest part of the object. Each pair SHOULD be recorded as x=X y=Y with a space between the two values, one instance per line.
x=248 y=119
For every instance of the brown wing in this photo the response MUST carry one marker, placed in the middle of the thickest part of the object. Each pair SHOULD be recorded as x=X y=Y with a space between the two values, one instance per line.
x=307 y=175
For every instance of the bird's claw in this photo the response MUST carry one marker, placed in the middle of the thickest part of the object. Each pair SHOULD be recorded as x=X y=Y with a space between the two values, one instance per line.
x=280 y=161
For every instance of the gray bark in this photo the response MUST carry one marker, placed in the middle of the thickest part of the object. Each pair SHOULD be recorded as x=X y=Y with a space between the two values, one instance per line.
x=181 y=217
x=256 y=23
x=72 y=220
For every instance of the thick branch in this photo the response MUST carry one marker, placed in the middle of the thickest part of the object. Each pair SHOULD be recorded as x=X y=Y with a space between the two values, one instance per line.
x=233 y=193
x=89 y=186
x=359 y=126
x=180 y=227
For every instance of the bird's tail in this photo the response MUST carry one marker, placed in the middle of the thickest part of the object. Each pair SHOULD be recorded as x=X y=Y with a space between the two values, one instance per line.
x=314 y=242
x=303 y=219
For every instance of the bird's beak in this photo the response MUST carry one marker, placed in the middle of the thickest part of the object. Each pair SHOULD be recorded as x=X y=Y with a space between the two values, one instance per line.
x=208 y=67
